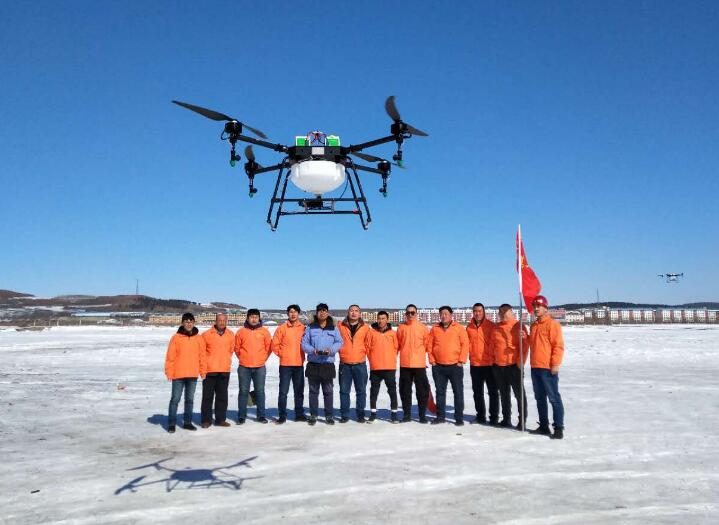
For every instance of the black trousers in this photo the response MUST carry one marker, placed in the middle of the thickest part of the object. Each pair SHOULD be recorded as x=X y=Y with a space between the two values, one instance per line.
x=509 y=377
x=375 y=379
x=418 y=376
x=214 y=387
x=327 y=387
x=482 y=375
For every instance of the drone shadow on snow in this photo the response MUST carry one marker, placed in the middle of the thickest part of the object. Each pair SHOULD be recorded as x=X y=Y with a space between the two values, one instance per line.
x=187 y=478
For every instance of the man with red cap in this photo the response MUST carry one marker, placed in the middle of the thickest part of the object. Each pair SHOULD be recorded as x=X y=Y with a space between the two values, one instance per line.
x=546 y=351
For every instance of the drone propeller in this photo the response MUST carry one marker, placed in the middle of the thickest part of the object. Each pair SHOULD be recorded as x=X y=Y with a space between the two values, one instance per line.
x=214 y=115
x=372 y=158
x=391 y=109
x=250 y=155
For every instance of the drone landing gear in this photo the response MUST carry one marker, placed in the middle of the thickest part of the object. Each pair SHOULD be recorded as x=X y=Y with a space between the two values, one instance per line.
x=319 y=205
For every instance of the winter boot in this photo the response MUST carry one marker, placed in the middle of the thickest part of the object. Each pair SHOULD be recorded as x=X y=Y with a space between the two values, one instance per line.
x=240 y=420
x=281 y=420
x=171 y=429
x=541 y=430
x=189 y=426
x=438 y=421
x=344 y=419
x=300 y=418
x=372 y=417
x=312 y=420
x=262 y=420
x=558 y=433
x=205 y=424
x=329 y=420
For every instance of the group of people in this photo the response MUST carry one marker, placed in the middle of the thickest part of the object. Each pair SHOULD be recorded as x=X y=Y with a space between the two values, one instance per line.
x=497 y=353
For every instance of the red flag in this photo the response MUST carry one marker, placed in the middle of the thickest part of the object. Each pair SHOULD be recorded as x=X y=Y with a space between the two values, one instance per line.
x=430 y=403
x=529 y=285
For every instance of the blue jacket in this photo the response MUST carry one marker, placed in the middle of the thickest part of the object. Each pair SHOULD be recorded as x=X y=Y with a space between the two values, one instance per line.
x=327 y=338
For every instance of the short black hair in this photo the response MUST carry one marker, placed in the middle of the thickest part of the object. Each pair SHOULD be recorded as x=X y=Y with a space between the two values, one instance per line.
x=448 y=308
x=505 y=305
x=475 y=305
x=382 y=312
x=322 y=306
x=294 y=307
x=350 y=306
x=253 y=311
x=187 y=316
x=411 y=305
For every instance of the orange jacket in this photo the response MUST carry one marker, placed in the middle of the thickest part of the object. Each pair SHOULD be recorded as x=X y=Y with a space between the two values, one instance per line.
x=218 y=349
x=286 y=344
x=252 y=346
x=412 y=338
x=448 y=346
x=505 y=343
x=382 y=348
x=546 y=343
x=185 y=355
x=480 y=343
x=354 y=349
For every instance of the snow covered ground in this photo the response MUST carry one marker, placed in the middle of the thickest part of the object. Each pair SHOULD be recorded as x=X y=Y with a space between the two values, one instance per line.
x=83 y=414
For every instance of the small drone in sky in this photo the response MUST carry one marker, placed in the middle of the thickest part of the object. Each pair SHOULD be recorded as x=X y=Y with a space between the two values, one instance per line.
x=317 y=164
x=671 y=277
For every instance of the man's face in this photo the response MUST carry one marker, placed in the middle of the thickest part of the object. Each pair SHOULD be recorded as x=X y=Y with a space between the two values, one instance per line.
x=445 y=316
x=506 y=314
x=188 y=324
x=382 y=321
x=221 y=321
x=540 y=310
x=478 y=313
x=410 y=313
x=322 y=315
x=253 y=319
x=293 y=315
x=353 y=314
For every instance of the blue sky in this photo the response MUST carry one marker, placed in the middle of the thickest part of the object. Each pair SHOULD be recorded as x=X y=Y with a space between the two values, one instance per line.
x=593 y=124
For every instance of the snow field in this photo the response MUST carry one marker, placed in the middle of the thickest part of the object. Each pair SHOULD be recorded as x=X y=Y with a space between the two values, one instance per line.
x=81 y=406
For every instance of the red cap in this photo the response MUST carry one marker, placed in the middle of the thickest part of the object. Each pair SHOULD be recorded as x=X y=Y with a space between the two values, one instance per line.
x=540 y=300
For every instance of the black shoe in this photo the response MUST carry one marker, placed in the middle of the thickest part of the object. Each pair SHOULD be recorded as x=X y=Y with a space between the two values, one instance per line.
x=312 y=420
x=393 y=418
x=493 y=423
x=241 y=421
x=541 y=430
x=478 y=421
x=189 y=426
x=423 y=421
x=406 y=419
x=344 y=419
x=171 y=429
x=459 y=422
x=558 y=433
x=437 y=421
x=361 y=419
x=372 y=417
x=301 y=418
x=281 y=420
x=262 y=420
x=505 y=423
x=519 y=426
x=330 y=420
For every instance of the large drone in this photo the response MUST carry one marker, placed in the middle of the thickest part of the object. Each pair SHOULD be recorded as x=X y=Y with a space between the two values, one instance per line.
x=316 y=164
x=671 y=277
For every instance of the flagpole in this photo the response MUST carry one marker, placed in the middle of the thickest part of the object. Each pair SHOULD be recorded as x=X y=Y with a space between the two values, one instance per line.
x=521 y=330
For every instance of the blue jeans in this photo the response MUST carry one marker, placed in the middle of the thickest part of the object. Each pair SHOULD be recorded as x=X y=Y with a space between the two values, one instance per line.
x=257 y=375
x=297 y=376
x=356 y=374
x=455 y=376
x=187 y=384
x=546 y=386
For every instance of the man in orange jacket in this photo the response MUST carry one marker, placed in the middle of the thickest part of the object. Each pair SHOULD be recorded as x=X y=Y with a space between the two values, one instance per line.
x=412 y=338
x=219 y=346
x=287 y=345
x=547 y=350
x=508 y=364
x=353 y=363
x=448 y=350
x=184 y=361
x=481 y=359
x=252 y=346
x=382 y=351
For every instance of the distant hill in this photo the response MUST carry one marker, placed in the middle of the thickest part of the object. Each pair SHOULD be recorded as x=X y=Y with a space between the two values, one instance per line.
x=105 y=303
x=619 y=304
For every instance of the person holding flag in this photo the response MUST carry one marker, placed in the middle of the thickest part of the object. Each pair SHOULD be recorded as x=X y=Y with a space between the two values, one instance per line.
x=509 y=365
x=546 y=350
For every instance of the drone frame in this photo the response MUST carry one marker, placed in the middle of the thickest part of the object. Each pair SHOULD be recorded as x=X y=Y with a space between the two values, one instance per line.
x=320 y=205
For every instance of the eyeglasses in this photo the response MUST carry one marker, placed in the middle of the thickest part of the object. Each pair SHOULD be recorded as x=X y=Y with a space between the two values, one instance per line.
x=411 y=313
